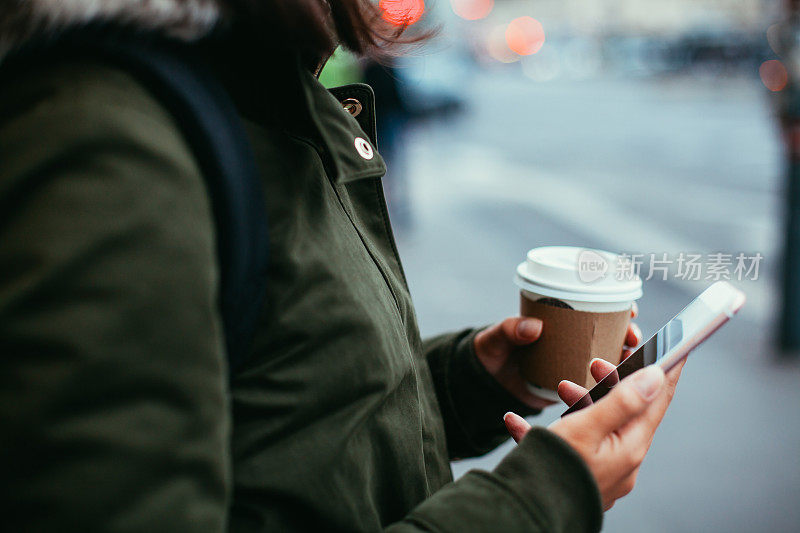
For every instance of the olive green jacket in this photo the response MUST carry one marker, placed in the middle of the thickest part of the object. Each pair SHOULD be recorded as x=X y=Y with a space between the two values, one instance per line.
x=116 y=413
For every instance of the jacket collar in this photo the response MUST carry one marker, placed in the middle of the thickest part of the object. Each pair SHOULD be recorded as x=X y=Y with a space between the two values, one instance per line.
x=346 y=143
x=282 y=93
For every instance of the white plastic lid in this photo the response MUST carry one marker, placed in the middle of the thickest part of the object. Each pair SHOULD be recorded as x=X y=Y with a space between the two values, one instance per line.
x=580 y=274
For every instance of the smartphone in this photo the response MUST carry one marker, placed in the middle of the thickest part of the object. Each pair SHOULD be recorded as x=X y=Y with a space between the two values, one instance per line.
x=672 y=343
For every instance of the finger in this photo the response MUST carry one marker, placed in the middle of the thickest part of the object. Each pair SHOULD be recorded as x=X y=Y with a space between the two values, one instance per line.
x=634 y=310
x=655 y=413
x=624 y=403
x=634 y=335
x=664 y=399
x=516 y=426
x=570 y=392
x=600 y=368
x=498 y=340
x=521 y=330
x=675 y=373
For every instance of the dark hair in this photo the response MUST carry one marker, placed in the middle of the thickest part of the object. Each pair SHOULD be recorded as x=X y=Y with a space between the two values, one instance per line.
x=315 y=27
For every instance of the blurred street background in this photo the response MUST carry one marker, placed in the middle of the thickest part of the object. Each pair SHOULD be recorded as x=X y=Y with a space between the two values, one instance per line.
x=625 y=125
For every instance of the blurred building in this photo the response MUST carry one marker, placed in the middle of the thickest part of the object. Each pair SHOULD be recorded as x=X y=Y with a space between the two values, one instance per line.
x=610 y=17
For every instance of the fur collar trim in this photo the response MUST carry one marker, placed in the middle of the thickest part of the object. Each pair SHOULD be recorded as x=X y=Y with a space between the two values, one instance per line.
x=22 y=20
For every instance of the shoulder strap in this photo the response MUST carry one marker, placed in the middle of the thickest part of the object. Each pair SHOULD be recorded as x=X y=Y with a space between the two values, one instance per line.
x=211 y=125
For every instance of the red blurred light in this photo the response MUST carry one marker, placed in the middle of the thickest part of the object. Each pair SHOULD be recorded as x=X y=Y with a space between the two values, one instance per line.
x=773 y=74
x=472 y=9
x=525 y=35
x=402 y=12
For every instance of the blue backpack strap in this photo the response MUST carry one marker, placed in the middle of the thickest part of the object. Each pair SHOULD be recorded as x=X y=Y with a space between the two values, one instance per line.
x=211 y=125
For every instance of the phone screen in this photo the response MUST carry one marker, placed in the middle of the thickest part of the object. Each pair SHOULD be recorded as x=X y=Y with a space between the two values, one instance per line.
x=678 y=331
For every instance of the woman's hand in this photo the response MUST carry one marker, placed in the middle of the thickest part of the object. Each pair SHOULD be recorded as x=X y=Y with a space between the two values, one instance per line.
x=613 y=434
x=497 y=347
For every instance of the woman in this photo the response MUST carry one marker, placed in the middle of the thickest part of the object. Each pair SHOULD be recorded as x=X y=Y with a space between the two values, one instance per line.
x=115 y=408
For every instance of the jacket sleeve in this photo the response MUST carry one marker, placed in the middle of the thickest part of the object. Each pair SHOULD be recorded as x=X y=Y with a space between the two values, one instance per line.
x=113 y=414
x=541 y=486
x=472 y=402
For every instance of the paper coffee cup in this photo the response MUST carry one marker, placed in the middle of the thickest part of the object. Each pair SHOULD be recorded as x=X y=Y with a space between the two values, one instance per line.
x=583 y=298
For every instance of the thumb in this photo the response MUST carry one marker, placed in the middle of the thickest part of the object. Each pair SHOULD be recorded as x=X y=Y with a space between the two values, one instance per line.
x=625 y=402
x=516 y=426
x=499 y=340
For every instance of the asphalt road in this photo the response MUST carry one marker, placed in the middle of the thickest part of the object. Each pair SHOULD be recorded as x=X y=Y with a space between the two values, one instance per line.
x=647 y=165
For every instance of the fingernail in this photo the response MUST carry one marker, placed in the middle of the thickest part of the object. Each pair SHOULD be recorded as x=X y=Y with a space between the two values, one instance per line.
x=595 y=359
x=529 y=328
x=648 y=382
x=637 y=331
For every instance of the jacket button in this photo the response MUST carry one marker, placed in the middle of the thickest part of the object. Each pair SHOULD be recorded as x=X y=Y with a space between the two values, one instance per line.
x=364 y=149
x=352 y=106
